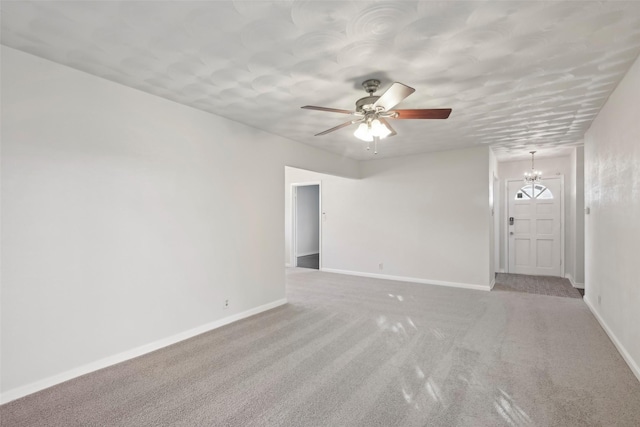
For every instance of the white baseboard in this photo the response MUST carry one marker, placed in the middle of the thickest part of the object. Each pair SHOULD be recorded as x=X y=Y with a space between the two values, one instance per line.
x=574 y=284
x=623 y=352
x=493 y=283
x=288 y=265
x=22 y=391
x=308 y=253
x=410 y=279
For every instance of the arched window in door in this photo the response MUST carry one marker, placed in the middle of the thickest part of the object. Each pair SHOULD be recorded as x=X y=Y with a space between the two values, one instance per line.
x=534 y=191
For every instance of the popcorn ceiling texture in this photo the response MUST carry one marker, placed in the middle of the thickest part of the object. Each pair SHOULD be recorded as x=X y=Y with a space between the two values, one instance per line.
x=518 y=75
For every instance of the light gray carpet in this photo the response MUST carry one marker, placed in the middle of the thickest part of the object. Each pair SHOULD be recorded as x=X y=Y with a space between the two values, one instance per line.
x=541 y=285
x=350 y=351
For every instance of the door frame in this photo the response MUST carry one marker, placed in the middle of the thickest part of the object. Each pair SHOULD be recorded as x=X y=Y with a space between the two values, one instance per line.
x=293 y=198
x=505 y=227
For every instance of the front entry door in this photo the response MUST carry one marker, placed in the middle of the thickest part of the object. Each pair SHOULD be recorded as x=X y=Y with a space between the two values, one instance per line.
x=534 y=227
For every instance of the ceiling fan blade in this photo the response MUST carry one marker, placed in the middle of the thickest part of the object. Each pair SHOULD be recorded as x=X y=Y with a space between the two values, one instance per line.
x=337 y=127
x=392 y=97
x=386 y=123
x=330 y=110
x=427 y=113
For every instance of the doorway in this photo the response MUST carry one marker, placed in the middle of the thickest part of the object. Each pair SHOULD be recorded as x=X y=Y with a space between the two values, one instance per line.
x=306 y=234
x=535 y=227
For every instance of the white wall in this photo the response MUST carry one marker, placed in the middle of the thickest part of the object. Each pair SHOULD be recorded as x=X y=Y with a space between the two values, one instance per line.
x=423 y=217
x=550 y=167
x=128 y=219
x=296 y=175
x=578 y=275
x=575 y=212
x=308 y=220
x=612 y=229
x=494 y=198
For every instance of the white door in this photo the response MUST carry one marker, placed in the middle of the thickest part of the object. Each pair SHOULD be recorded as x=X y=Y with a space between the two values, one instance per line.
x=534 y=227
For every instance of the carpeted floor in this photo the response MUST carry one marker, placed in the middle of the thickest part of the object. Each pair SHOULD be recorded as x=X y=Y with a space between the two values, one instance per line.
x=353 y=351
x=541 y=285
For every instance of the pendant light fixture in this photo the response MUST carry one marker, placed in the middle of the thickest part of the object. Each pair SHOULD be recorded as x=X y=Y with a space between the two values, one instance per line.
x=533 y=176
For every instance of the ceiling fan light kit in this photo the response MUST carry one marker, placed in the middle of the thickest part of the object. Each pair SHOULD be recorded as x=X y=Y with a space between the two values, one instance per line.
x=372 y=111
x=373 y=129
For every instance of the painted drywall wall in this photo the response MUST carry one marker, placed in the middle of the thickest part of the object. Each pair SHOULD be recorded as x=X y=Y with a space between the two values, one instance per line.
x=494 y=236
x=570 y=241
x=300 y=176
x=550 y=167
x=308 y=220
x=422 y=217
x=578 y=267
x=128 y=218
x=575 y=212
x=612 y=228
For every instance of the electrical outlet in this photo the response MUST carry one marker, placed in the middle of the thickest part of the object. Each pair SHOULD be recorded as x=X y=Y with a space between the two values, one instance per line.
x=226 y=304
x=381 y=266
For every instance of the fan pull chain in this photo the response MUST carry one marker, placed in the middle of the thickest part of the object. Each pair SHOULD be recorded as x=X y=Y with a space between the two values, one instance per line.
x=375 y=144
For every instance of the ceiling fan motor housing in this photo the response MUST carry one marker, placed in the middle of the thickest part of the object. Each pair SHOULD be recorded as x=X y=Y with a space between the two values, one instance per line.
x=365 y=104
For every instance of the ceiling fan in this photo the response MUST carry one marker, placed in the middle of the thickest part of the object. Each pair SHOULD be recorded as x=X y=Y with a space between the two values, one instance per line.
x=372 y=112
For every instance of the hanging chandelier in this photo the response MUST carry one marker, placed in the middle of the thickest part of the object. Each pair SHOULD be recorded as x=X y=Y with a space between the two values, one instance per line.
x=533 y=176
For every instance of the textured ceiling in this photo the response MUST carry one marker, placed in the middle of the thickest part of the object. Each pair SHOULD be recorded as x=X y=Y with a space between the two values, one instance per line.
x=519 y=75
